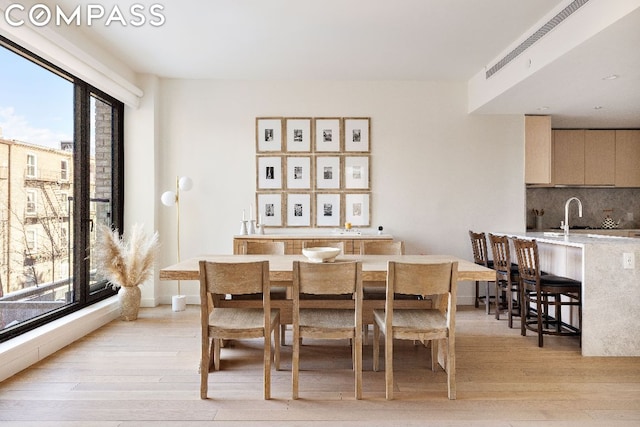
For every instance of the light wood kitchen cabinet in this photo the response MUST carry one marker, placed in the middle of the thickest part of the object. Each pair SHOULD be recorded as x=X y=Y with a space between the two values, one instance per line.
x=568 y=157
x=537 y=144
x=584 y=157
x=627 y=158
x=599 y=157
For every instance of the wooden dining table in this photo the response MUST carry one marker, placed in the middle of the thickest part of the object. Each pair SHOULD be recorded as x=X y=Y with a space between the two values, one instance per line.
x=374 y=267
x=374 y=273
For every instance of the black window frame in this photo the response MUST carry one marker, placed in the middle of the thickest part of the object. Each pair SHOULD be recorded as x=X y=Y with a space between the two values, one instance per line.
x=85 y=295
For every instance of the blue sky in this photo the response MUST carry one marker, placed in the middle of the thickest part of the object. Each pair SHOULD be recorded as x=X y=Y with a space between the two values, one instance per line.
x=36 y=106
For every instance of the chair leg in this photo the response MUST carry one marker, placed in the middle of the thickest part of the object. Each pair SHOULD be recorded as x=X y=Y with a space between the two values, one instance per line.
x=283 y=331
x=487 y=298
x=376 y=347
x=434 y=355
x=266 y=380
x=358 y=366
x=217 y=343
x=204 y=371
x=451 y=368
x=388 y=364
x=295 y=364
x=539 y=315
x=276 y=345
x=497 y=289
x=477 y=291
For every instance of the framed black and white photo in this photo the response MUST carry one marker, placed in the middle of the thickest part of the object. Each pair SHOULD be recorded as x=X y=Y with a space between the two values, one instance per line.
x=268 y=134
x=299 y=172
x=270 y=209
x=299 y=210
x=328 y=173
x=328 y=137
x=298 y=132
x=269 y=172
x=356 y=172
x=356 y=134
x=328 y=210
x=357 y=209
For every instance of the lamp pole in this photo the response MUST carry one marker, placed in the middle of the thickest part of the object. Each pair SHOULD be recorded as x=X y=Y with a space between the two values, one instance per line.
x=169 y=198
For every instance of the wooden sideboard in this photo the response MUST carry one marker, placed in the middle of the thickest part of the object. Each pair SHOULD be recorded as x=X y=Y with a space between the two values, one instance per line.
x=294 y=243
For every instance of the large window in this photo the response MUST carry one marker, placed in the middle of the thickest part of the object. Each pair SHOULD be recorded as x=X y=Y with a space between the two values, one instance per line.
x=61 y=159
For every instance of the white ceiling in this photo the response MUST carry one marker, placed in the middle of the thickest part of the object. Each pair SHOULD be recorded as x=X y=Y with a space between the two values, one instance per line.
x=383 y=40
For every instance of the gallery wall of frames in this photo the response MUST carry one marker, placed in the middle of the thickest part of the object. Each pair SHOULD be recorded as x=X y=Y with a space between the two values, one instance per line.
x=313 y=171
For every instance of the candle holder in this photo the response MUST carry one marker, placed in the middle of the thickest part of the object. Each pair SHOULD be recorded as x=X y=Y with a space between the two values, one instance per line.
x=260 y=228
x=243 y=228
x=252 y=226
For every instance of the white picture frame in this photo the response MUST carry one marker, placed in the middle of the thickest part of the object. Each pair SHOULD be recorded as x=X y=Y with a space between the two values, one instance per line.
x=298 y=135
x=269 y=172
x=268 y=134
x=328 y=173
x=270 y=209
x=299 y=210
x=327 y=135
x=328 y=210
x=299 y=172
x=357 y=209
x=357 y=131
x=356 y=173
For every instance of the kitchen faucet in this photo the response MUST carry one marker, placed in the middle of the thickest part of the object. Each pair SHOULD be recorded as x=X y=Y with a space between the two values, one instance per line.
x=565 y=226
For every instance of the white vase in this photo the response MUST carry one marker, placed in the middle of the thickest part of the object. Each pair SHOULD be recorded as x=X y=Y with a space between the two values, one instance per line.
x=129 y=298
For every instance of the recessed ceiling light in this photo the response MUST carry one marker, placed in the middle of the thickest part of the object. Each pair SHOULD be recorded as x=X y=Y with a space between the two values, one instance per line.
x=611 y=77
x=598 y=107
x=542 y=108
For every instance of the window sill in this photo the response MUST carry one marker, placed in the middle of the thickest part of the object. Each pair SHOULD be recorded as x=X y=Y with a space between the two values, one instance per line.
x=21 y=352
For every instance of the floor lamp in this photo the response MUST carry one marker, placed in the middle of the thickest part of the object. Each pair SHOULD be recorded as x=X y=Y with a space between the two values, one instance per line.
x=170 y=198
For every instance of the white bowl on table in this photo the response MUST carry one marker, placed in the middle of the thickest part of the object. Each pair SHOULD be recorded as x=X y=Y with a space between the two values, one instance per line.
x=321 y=254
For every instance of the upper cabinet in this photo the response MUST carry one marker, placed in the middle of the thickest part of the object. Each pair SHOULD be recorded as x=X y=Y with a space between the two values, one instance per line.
x=537 y=142
x=584 y=157
x=627 y=158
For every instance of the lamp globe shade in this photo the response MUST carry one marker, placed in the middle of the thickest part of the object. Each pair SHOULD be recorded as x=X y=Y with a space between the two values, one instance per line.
x=185 y=183
x=168 y=198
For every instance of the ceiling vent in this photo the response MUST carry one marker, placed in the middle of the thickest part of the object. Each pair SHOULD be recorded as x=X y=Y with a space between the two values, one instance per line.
x=541 y=32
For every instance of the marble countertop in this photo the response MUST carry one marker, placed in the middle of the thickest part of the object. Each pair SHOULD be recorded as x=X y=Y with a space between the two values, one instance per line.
x=575 y=239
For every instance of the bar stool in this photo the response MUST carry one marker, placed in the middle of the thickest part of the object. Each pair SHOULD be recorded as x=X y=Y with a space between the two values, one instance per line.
x=545 y=291
x=507 y=277
x=479 y=247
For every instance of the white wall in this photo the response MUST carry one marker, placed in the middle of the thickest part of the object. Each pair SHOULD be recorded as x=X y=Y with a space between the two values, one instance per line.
x=436 y=171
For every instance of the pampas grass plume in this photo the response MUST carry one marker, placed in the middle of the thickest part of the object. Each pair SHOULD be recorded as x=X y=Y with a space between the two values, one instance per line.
x=125 y=263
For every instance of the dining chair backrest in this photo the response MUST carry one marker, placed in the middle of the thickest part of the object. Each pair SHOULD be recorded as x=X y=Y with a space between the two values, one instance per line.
x=336 y=278
x=501 y=253
x=263 y=248
x=238 y=278
x=479 y=247
x=528 y=260
x=381 y=247
x=421 y=279
x=323 y=244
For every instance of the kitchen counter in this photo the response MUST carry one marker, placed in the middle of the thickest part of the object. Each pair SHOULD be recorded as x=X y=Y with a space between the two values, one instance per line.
x=610 y=292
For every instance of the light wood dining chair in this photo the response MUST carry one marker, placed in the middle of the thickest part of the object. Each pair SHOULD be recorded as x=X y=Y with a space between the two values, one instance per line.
x=376 y=290
x=435 y=324
x=277 y=292
x=222 y=323
x=338 y=278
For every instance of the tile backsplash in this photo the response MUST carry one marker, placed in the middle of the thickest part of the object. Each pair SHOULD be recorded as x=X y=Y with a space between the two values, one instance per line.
x=621 y=202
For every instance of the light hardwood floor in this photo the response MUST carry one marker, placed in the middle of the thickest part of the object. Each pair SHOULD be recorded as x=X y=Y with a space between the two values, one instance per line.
x=144 y=373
